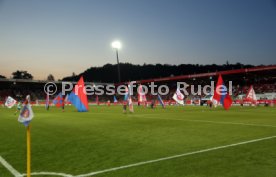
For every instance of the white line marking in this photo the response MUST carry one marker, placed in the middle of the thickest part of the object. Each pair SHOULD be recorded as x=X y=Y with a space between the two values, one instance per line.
x=173 y=157
x=9 y=167
x=48 y=173
x=234 y=123
x=208 y=121
x=17 y=174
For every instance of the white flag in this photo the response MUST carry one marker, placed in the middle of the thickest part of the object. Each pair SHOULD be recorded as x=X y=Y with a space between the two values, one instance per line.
x=10 y=102
x=141 y=95
x=251 y=96
x=26 y=113
x=178 y=97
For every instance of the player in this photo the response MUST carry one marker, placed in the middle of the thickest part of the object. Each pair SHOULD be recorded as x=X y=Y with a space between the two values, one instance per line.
x=108 y=103
x=152 y=104
x=124 y=106
x=18 y=107
x=63 y=104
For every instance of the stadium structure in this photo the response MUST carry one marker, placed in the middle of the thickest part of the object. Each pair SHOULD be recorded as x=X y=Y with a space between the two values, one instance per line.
x=262 y=78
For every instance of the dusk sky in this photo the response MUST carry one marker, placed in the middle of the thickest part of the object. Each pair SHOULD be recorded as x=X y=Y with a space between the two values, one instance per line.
x=65 y=36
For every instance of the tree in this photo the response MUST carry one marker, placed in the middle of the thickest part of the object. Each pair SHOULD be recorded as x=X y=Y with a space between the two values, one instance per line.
x=22 y=75
x=2 y=77
x=50 y=78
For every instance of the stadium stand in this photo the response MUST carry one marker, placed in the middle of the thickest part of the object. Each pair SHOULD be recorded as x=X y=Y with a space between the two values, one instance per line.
x=263 y=81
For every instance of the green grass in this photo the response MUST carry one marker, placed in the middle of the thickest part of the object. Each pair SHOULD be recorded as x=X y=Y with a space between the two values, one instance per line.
x=78 y=143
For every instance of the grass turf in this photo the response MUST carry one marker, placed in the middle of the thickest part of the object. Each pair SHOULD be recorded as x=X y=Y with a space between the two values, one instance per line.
x=78 y=143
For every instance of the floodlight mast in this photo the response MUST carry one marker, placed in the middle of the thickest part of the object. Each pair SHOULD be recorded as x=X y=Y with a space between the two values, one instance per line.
x=117 y=45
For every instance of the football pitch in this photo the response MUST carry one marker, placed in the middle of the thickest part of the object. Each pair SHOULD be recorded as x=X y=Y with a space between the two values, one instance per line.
x=176 y=141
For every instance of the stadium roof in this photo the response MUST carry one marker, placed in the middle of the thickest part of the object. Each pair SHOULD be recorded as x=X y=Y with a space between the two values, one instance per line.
x=227 y=72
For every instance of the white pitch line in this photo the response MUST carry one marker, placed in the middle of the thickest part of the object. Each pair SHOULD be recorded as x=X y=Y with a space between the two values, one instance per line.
x=48 y=174
x=173 y=157
x=9 y=167
x=234 y=123
x=17 y=174
x=208 y=121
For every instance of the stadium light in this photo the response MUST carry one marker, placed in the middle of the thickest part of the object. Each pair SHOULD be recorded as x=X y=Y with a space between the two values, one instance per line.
x=117 y=45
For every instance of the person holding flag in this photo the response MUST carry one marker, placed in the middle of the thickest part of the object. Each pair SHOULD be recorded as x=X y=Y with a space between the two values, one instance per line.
x=130 y=93
x=141 y=96
x=47 y=102
x=128 y=100
x=130 y=105
x=152 y=104
x=251 y=96
x=124 y=106
x=160 y=101
x=59 y=101
x=66 y=102
x=125 y=102
x=115 y=101
x=178 y=97
x=97 y=100
x=18 y=107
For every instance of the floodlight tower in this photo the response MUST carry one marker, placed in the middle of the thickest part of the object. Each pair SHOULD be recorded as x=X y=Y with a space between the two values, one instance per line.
x=117 y=45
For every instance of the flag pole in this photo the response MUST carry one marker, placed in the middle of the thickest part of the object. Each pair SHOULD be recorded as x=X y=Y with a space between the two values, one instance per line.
x=29 y=151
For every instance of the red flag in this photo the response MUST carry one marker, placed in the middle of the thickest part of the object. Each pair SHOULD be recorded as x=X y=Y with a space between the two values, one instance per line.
x=217 y=95
x=78 y=96
x=227 y=102
x=221 y=95
x=59 y=101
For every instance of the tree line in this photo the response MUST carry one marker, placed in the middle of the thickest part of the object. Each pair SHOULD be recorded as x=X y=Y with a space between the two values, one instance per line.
x=129 y=72
x=20 y=74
